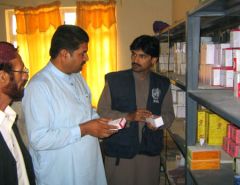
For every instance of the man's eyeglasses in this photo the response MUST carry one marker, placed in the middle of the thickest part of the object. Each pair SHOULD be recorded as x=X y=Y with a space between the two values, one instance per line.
x=25 y=70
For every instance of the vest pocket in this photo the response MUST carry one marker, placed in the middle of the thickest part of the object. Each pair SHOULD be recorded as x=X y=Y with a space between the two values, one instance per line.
x=123 y=144
x=152 y=142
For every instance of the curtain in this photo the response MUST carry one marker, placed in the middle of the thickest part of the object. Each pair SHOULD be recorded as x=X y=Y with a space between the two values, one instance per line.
x=99 y=21
x=35 y=27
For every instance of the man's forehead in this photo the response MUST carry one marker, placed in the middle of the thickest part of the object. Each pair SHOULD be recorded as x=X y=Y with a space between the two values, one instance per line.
x=17 y=61
x=139 y=51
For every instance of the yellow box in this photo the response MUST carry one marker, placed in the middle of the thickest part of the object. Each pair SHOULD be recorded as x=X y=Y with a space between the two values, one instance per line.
x=215 y=140
x=202 y=127
x=217 y=129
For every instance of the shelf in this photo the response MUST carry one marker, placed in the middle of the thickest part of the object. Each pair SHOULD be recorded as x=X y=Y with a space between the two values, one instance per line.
x=212 y=24
x=179 y=141
x=211 y=177
x=174 y=32
x=216 y=8
x=175 y=79
x=213 y=18
x=221 y=102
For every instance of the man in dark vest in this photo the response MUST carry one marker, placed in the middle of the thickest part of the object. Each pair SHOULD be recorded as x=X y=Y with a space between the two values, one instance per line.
x=132 y=156
x=15 y=162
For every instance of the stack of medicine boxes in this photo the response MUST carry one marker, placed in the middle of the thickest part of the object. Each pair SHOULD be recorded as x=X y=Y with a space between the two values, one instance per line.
x=211 y=129
x=231 y=143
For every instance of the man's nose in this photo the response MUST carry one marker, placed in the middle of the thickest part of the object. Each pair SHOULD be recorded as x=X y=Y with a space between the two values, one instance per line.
x=25 y=76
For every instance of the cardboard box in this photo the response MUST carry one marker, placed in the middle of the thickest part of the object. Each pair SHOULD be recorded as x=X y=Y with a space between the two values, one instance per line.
x=120 y=123
x=202 y=126
x=227 y=76
x=226 y=144
x=203 y=153
x=227 y=59
x=180 y=111
x=216 y=76
x=217 y=129
x=234 y=149
x=213 y=164
x=235 y=135
x=207 y=54
x=156 y=121
x=219 y=52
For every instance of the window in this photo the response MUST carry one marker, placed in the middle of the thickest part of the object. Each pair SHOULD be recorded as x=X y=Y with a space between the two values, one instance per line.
x=68 y=15
x=11 y=27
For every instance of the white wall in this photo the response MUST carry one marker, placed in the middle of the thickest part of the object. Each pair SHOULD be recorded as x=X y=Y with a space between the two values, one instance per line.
x=134 y=18
x=181 y=7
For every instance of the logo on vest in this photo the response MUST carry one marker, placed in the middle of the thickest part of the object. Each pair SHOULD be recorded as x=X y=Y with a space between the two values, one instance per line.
x=156 y=94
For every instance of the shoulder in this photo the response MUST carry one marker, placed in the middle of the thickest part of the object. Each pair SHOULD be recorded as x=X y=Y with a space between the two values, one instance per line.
x=118 y=74
x=40 y=83
x=38 y=80
x=159 y=77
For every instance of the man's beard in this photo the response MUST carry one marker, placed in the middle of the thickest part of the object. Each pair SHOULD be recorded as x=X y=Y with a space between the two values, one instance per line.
x=13 y=91
x=136 y=67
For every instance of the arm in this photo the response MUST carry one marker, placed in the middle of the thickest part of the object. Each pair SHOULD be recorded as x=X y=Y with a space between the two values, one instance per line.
x=104 y=105
x=104 y=108
x=167 y=109
x=46 y=129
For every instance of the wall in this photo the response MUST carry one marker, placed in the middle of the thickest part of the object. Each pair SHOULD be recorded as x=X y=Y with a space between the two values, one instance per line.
x=180 y=7
x=134 y=17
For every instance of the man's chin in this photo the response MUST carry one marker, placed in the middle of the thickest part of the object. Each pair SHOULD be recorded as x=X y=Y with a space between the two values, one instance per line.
x=136 y=69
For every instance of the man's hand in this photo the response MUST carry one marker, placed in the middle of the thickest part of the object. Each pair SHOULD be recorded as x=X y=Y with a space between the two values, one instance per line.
x=139 y=115
x=98 y=128
x=151 y=127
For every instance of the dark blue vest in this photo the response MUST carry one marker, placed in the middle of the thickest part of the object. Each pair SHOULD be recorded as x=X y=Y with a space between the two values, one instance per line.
x=125 y=144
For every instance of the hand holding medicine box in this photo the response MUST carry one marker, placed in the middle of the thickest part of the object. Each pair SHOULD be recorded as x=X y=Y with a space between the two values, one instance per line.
x=120 y=123
x=156 y=121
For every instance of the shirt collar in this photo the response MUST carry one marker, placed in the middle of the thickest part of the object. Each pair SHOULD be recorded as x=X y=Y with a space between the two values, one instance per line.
x=9 y=114
x=57 y=72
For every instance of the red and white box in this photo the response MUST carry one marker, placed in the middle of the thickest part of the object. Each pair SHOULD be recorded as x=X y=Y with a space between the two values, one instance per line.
x=227 y=59
x=120 y=123
x=227 y=75
x=236 y=59
x=207 y=54
x=230 y=129
x=237 y=84
x=235 y=38
x=234 y=149
x=235 y=136
x=156 y=121
x=216 y=73
x=226 y=144
x=219 y=52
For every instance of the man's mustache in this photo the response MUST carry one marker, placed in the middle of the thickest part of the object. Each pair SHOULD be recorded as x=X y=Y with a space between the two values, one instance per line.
x=136 y=64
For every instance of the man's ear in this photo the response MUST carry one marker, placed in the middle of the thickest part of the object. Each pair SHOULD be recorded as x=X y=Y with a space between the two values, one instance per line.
x=64 y=54
x=154 y=60
x=4 y=78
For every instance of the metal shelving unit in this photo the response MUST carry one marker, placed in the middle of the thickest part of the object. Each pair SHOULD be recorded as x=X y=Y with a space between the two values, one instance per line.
x=210 y=18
